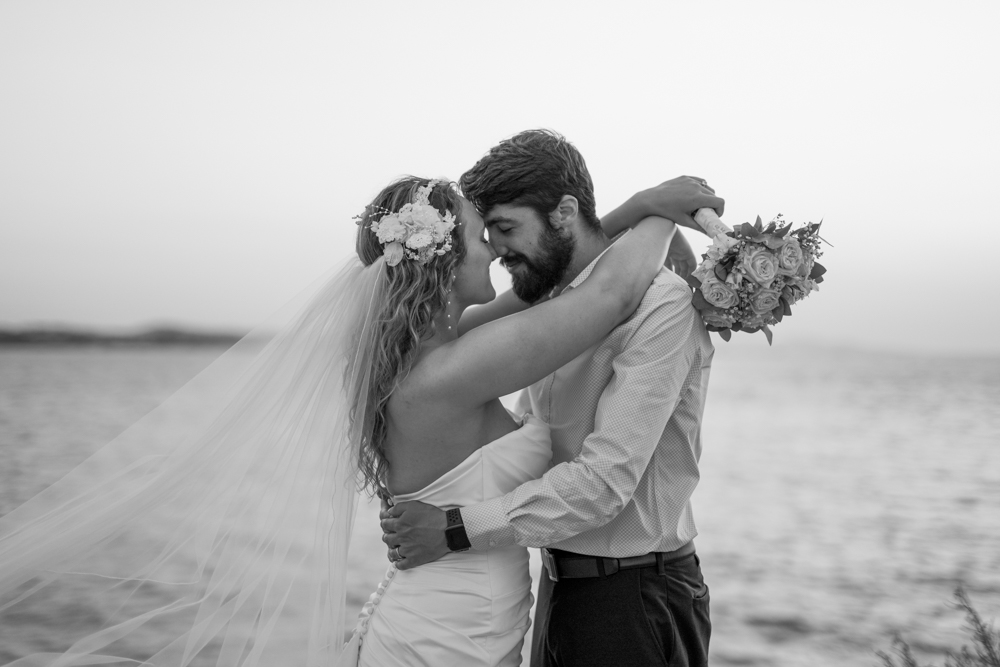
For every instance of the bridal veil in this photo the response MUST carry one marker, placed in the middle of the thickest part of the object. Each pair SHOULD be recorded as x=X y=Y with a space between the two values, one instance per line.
x=226 y=546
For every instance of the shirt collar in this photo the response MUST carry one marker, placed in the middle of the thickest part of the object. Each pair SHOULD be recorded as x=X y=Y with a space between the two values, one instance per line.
x=583 y=275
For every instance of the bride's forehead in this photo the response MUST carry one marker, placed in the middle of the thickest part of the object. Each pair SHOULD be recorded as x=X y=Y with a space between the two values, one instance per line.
x=470 y=216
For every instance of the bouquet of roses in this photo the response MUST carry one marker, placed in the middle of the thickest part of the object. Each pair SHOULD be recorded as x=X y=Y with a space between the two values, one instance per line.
x=752 y=275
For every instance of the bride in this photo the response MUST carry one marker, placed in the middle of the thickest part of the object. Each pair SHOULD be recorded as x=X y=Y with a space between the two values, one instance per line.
x=228 y=545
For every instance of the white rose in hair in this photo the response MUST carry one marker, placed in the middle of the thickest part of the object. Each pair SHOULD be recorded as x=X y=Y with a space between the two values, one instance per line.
x=419 y=240
x=390 y=228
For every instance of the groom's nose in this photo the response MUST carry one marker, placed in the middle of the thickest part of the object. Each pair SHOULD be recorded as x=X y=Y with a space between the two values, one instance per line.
x=499 y=249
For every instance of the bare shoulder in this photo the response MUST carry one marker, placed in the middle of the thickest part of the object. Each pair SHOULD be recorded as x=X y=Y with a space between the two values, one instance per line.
x=430 y=379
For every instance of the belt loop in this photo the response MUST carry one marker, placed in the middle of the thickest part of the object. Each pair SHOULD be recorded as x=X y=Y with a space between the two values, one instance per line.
x=660 y=569
x=600 y=568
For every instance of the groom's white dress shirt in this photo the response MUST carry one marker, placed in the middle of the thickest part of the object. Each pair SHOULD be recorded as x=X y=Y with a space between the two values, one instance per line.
x=626 y=438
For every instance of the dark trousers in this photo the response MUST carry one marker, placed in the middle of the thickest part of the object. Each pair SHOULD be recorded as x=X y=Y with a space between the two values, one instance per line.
x=633 y=617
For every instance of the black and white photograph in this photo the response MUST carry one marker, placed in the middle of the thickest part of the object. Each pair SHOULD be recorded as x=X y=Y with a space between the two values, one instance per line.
x=555 y=334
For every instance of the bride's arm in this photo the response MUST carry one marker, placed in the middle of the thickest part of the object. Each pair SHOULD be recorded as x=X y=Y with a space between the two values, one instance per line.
x=502 y=306
x=510 y=353
x=675 y=200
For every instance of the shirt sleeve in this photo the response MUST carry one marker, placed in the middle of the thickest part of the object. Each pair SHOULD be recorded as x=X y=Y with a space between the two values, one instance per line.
x=592 y=489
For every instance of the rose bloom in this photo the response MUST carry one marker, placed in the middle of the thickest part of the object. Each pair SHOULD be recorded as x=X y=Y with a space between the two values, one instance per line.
x=705 y=271
x=719 y=294
x=755 y=322
x=716 y=318
x=789 y=257
x=806 y=267
x=390 y=229
x=760 y=266
x=764 y=300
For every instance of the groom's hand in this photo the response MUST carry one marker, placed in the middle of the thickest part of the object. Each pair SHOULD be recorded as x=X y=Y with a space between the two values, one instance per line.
x=679 y=198
x=414 y=531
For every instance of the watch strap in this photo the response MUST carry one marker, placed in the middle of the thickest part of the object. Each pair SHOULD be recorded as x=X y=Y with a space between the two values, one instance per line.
x=454 y=532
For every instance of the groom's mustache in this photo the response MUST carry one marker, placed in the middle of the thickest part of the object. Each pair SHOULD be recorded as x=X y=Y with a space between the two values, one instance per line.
x=512 y=259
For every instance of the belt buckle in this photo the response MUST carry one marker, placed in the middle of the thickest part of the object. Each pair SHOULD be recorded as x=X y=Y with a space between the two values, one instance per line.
x=550 y=564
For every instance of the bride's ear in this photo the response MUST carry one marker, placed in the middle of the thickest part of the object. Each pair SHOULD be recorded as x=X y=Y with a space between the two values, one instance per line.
x=565 y=212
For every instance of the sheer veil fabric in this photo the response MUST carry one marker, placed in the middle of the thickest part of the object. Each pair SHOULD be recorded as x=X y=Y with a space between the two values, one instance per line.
x=226 y=545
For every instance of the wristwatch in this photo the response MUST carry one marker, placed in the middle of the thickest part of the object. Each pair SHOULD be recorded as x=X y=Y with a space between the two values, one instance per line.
x=454 y=532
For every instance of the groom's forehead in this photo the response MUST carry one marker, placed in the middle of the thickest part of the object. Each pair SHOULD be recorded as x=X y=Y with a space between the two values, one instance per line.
x=511 y=214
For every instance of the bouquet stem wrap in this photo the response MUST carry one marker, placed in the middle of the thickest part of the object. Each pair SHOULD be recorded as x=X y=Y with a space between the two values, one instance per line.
x=711 y=223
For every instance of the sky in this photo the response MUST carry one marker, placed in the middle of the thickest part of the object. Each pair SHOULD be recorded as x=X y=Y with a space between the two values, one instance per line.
x=199 y=163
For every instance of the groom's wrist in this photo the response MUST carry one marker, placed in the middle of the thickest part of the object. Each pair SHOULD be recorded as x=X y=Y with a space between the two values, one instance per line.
x=454 y=533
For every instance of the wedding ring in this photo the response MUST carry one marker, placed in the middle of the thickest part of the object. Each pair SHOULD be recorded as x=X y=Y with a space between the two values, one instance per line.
x=397 y=556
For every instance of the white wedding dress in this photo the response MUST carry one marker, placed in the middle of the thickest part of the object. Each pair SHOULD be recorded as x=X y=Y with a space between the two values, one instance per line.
x=468 y=608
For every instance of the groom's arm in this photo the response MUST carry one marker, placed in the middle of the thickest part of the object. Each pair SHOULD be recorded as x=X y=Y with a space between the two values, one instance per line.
x=592 y=489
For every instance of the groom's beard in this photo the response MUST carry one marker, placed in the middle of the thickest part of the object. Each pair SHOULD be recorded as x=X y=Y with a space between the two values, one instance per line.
x=539 y=275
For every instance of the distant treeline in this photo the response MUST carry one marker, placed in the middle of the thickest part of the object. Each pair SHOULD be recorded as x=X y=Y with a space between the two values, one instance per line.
x=161 y=336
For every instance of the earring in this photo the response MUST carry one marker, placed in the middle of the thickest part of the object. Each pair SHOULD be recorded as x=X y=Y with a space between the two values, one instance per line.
x=447 y=304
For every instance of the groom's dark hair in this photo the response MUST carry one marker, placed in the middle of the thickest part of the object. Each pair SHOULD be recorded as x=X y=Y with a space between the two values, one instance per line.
x=534 y=168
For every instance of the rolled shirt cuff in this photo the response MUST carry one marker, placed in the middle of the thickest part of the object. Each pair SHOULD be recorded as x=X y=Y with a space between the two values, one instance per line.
x=487 y=525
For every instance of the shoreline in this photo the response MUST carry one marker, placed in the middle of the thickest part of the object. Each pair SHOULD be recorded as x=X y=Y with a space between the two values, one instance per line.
x=159 y=336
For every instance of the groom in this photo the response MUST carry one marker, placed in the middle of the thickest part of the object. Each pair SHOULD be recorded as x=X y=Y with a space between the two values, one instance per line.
x=622 y=584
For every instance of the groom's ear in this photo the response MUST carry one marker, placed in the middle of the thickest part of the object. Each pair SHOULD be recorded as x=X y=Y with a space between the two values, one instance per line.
x=565 y=212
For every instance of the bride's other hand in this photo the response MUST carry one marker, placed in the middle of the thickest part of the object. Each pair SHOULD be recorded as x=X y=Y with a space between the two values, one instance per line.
x=680 y=256
x=414 y=533
x=676 y=200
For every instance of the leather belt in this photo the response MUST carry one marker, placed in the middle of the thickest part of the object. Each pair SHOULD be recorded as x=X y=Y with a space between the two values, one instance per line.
x=568 y=565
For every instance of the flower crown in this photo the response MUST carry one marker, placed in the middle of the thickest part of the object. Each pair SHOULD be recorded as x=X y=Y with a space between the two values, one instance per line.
x=417 y=231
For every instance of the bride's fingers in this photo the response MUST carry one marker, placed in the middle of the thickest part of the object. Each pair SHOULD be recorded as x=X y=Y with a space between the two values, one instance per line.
x=717 y=203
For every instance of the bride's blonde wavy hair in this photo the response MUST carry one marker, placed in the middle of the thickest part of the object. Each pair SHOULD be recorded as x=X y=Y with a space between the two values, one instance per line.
x=411 y=297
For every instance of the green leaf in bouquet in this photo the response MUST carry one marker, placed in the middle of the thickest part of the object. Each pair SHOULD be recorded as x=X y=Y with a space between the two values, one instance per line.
x=818 y=280
x=692 y=281
x=768 y=334
x=737 y=326
x=817 y=270
x=782 y=231
x=778 y=313
x=712 y=327
x=726 y=334
x=698 y=300
x=747 y=230
x=786 y=307
x=770 y=227
x=759 y=224
x=720 y=272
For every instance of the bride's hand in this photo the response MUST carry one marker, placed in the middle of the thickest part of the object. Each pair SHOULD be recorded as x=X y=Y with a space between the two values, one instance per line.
x=414 y=533
x=676 y=200
x=679 y=198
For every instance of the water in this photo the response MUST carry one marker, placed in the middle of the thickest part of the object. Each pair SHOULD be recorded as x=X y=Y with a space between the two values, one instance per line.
x=843 y=494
